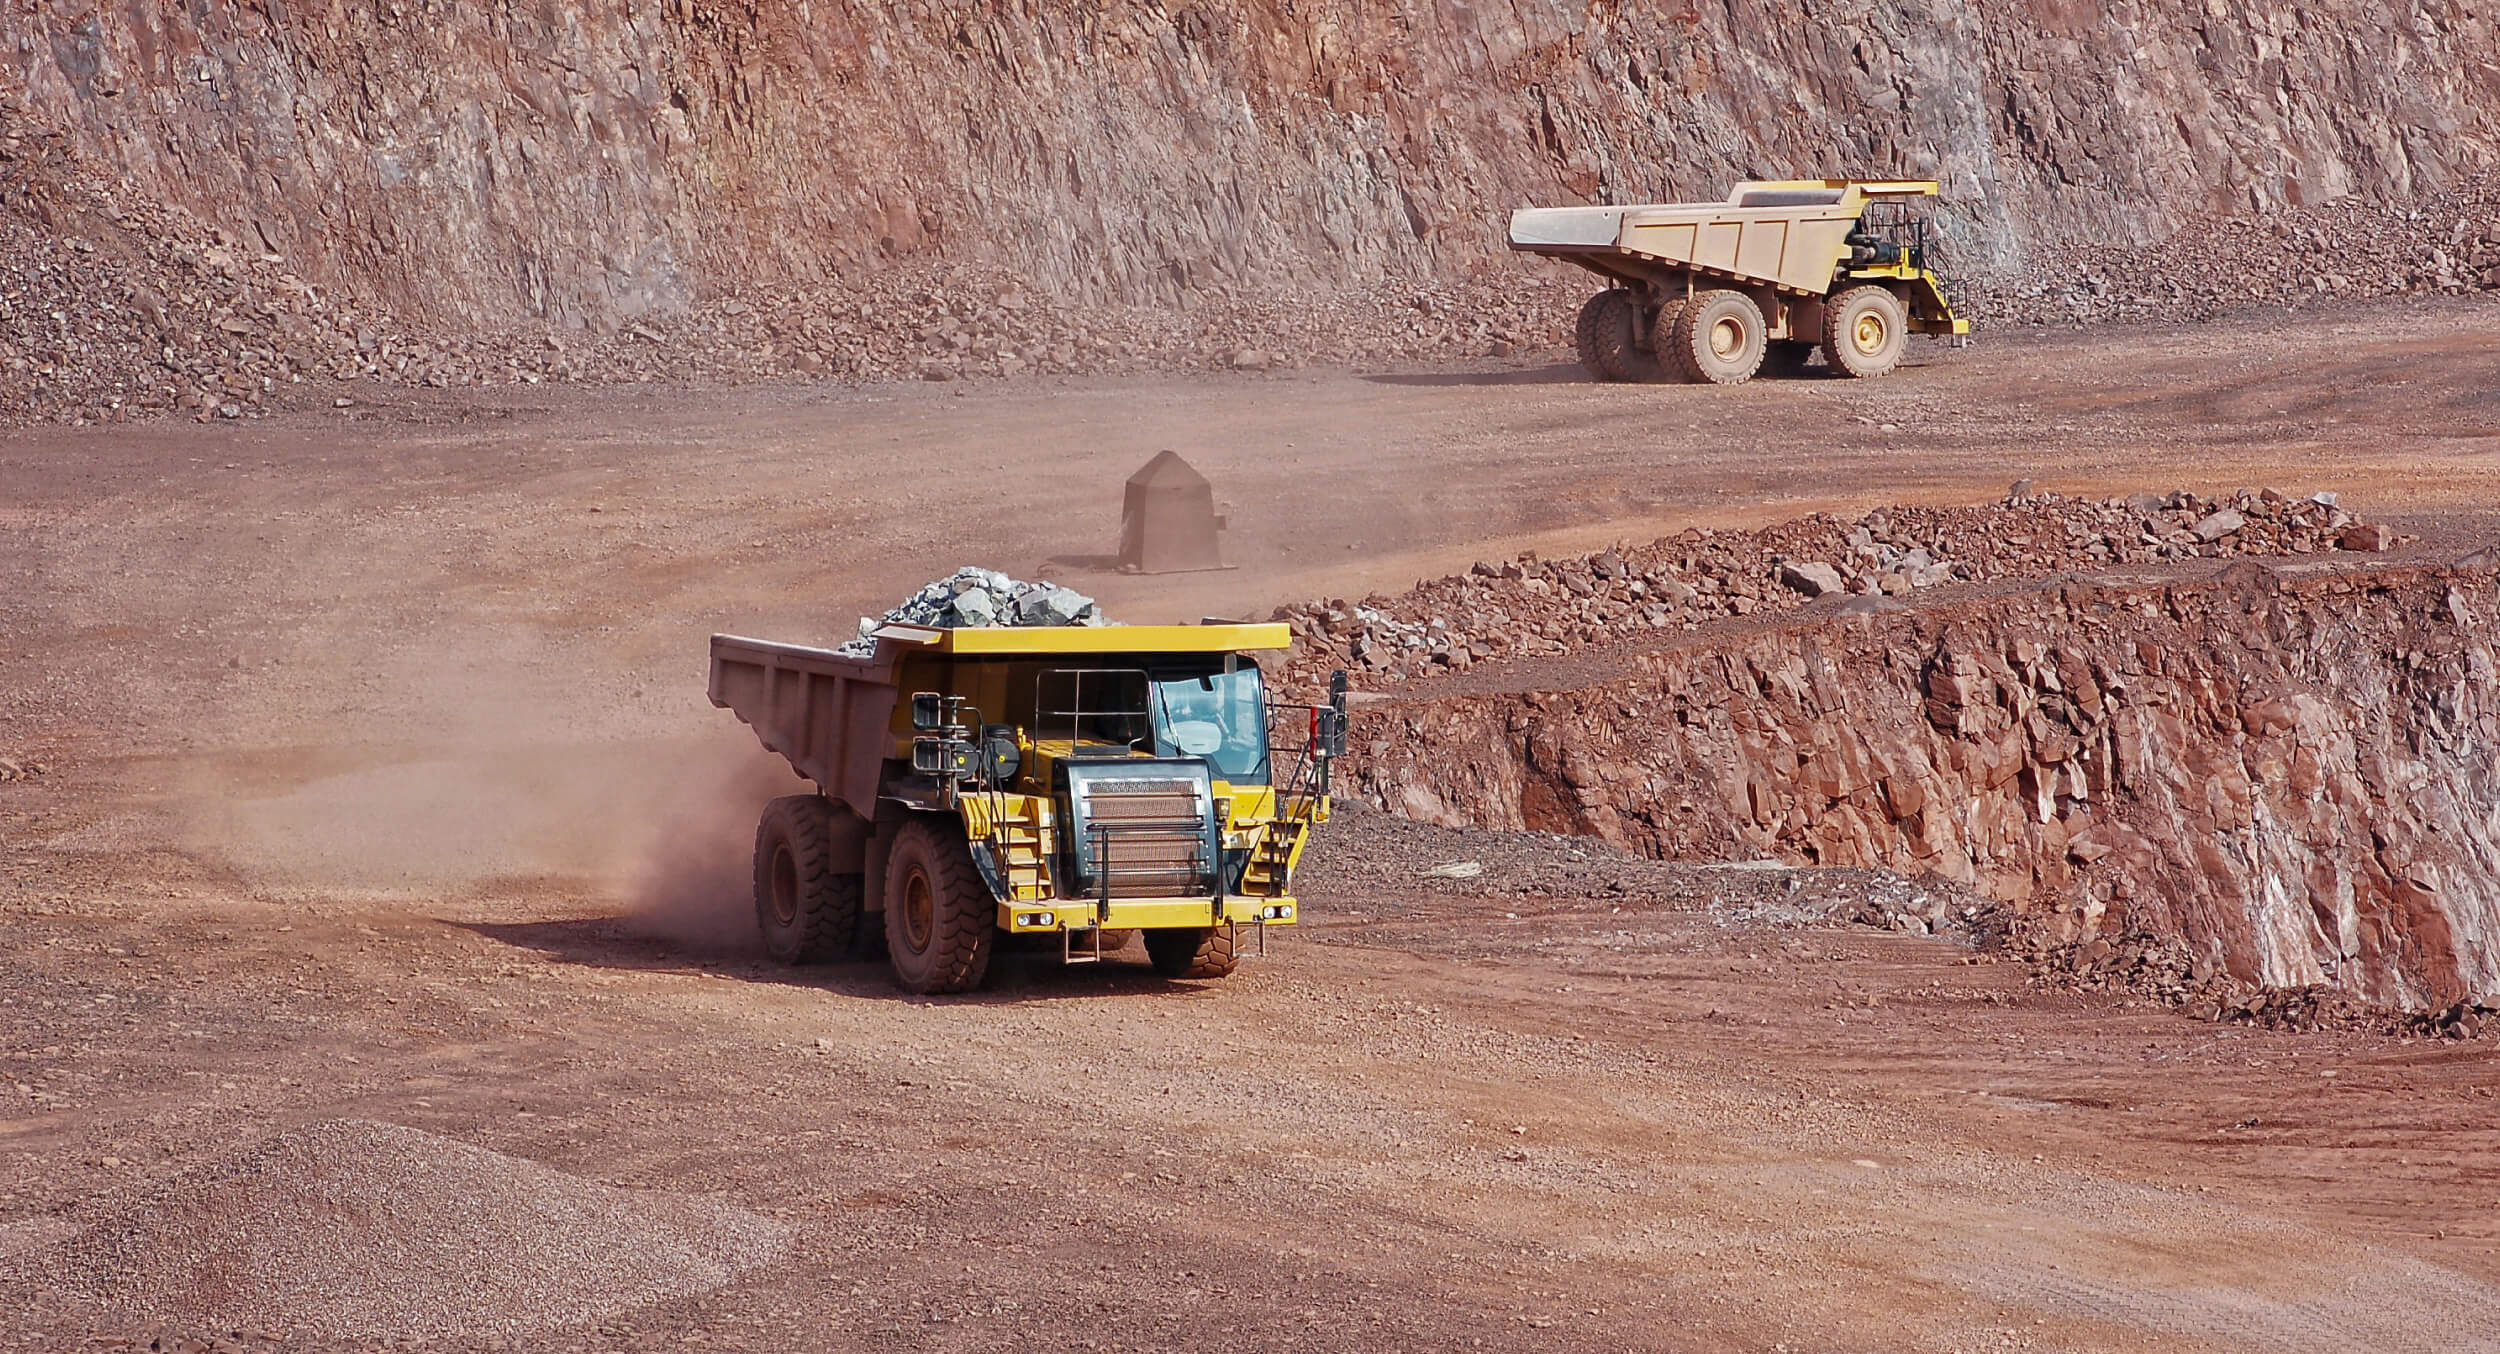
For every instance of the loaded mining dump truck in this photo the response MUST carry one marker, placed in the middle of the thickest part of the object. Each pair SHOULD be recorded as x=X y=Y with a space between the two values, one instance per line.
x=1047 y=788
x=1717 y=291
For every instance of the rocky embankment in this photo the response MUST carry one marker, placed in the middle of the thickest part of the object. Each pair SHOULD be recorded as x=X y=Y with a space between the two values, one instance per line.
x=2290 y=769
x=200 y=205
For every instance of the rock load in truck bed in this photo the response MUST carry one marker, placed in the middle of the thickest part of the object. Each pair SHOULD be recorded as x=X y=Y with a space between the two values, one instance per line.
x=982 y=598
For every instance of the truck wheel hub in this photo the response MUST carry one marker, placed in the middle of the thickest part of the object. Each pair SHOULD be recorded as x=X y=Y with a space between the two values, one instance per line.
x=1869 y=333
x=785 y=887
x=1727 y=338
x=919 y=910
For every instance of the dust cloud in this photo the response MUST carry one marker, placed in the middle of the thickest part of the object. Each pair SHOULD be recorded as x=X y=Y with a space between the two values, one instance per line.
x=695 y=887
x=481 y=789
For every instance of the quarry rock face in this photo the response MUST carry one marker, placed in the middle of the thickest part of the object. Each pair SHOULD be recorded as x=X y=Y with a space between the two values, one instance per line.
x=584 y=165
x=2296 y=773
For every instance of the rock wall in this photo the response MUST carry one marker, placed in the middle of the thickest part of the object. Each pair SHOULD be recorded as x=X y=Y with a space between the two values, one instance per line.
x=501 y=164
x=2296 y=773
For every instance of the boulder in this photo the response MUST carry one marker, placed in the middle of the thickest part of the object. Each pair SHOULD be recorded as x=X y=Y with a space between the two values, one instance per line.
x=2215 y=526
x=1812 y=579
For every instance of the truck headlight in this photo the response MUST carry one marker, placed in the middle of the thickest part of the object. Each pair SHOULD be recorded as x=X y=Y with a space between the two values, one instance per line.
x=1036 y=918
x=941 y=757
x=1279 y=912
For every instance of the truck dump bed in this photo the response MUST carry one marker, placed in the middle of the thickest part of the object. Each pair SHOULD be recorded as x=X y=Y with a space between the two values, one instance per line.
x=828 y=713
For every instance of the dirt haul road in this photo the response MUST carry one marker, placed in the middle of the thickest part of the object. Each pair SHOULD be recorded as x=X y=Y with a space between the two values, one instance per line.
x=359 y=771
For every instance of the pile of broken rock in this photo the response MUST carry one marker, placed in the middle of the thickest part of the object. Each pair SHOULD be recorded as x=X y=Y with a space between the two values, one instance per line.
x=2444 y=242
x=979 y=598
x=1527 y=607
x=2168 y=972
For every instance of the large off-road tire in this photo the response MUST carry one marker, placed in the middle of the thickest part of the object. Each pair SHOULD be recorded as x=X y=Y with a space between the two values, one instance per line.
x=807 y=912
x=1593 y=355
x=1194 y=951
x=1718 y=337
x=1864 y=330
x=941 y=924
x=1660 y=326
x=1584 y=337
x=1785 y=359
x=1607 y=336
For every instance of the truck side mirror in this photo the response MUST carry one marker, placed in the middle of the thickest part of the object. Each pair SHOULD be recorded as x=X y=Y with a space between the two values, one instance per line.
x=1337 y=702
x=928 y=710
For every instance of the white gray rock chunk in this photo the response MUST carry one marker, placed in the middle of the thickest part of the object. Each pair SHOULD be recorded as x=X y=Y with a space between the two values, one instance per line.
x=2218 y=525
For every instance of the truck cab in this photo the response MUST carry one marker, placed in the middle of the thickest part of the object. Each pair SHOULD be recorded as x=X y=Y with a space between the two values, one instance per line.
x=1054 y=788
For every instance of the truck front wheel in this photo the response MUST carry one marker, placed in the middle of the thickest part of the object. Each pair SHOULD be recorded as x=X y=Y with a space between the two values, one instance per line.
x=940 y=922
x=1864 y=331
x=1193 y=951
x=807 y=913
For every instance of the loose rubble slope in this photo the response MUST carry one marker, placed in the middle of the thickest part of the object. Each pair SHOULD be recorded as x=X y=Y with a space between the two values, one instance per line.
x=348 y=1229
x=1529 y=608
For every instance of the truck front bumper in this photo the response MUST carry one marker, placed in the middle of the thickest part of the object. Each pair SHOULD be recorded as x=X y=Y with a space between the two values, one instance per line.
x=1144 y=914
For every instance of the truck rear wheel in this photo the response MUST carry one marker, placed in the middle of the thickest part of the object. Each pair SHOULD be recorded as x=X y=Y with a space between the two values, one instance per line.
x=1607 y=332
x=1717 y=337
x=940 y=922
x=1864 y=331
x=1194 y=951
x=1661 y=326
x=807 y=913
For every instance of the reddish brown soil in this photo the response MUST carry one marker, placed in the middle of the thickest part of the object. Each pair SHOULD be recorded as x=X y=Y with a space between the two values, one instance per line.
x=377 y=783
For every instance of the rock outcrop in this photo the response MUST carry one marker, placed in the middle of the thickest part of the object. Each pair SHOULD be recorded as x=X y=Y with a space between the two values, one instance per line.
x=2294 y=770
x=573 y=164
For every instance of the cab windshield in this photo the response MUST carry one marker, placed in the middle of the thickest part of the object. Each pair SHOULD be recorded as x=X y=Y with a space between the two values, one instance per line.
x=1218 y=714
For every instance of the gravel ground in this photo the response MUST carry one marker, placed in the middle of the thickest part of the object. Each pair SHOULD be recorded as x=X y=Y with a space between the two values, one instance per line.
x=1375 y=865
x=263 y=662
x=348 y=1228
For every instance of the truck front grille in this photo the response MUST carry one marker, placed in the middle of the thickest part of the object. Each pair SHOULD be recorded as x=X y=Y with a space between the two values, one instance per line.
x=1144 y=836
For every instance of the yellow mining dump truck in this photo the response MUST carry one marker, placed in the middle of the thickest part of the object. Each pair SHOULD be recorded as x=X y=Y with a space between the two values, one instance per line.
x=1041 y=788
x=1717 y=291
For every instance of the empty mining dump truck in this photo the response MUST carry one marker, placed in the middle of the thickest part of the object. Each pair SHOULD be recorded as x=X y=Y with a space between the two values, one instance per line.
x=1717 y=291
x=1051 y=788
